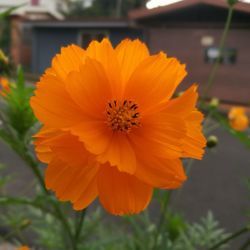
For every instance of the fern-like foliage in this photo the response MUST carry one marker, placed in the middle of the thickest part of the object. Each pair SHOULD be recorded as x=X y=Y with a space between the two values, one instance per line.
x=200 y=236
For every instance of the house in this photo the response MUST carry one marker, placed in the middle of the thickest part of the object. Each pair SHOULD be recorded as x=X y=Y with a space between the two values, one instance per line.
x=20 y=47
x=50 y=36
x=34 y=9
x=189 y=30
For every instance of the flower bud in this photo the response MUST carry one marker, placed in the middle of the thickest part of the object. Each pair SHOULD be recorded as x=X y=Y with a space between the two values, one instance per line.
x=214 y=103
x=180 y=93
x=212 y=141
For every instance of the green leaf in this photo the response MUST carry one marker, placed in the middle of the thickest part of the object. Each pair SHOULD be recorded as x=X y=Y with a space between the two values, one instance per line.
x=7 y=12
x=17 y=110
x=201 y=235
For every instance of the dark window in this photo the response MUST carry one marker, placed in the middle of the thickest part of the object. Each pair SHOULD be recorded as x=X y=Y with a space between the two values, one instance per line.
x=86 y=37
x=226 y=56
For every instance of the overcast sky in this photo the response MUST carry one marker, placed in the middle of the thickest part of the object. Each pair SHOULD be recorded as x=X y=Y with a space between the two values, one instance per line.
x=156 y=3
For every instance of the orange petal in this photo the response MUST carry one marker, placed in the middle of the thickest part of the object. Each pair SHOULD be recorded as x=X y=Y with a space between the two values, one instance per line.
x=130 y=54
x=184 y=104
x=70 y=183
x=80 y=187
x=69 y=149
x=70 y=58
x=120 y=153
x=154 y=81
x=194 y=142
x=43 y=151
x=54 y=169
x=95 y=135
x=104 y=53
x=72 y=172
x=46 y=132
x=87 y=196
x=122 y=193
x=90 y=88
x=52 y=104
x=159 y=172
x=161 y=134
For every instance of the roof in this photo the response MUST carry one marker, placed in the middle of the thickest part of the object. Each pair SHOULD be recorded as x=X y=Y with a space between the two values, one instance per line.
x=38 y=10
x=142 y=13
x=80 y=23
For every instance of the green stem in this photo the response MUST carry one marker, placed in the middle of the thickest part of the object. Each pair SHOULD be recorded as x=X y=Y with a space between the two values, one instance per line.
x=221 y=46
x=79 y=228
x=162 y=218
x=21 y=149
x=33 y=164
x=34 y=167
x=188 y=168
x=245 y=245
x=229 y=238
x=16 y=232
x=23 y=201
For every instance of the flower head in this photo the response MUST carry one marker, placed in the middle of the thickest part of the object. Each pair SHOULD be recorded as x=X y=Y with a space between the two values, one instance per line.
x=4 y=86
x=111 y=129
x=238 y=119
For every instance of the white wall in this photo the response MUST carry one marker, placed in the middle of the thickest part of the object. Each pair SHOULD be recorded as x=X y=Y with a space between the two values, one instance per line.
x=49 y=4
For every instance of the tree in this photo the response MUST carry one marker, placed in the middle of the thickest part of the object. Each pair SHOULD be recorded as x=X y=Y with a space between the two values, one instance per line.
x=115 y=8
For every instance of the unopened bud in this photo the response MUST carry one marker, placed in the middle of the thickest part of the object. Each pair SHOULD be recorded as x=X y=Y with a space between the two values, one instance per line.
x=179 y=93
x=212 y=141
x=214 y=103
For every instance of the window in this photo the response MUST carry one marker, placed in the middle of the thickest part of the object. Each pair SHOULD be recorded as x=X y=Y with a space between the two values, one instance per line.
x=227 y=55
x=85 y=37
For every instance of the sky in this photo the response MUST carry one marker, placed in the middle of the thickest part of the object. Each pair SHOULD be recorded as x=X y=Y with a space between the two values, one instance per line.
x=156 y=3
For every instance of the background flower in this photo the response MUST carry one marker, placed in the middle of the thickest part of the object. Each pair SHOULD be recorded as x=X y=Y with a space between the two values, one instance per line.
x=238 y=119
x=4 y=86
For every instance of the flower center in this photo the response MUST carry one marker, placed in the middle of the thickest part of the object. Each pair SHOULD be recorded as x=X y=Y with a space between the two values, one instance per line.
x=122 y=116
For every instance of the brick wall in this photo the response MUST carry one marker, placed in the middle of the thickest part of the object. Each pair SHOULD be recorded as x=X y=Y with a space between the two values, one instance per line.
x=232 y=82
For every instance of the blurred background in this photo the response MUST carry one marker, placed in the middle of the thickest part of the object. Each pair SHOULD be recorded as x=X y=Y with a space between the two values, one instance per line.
x=187 y=29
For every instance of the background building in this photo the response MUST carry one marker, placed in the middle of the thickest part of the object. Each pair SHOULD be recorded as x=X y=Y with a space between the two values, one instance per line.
x=188 y=29
x=35 y=9
x=18 y=36
x=191 y=30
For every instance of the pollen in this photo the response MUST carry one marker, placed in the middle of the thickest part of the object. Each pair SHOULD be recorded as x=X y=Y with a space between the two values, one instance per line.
x=122 y=115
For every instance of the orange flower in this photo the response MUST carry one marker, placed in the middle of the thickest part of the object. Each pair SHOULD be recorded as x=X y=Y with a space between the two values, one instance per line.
x=111 y=128
x=238 y=119
x=23 y=248
x=4 y=86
